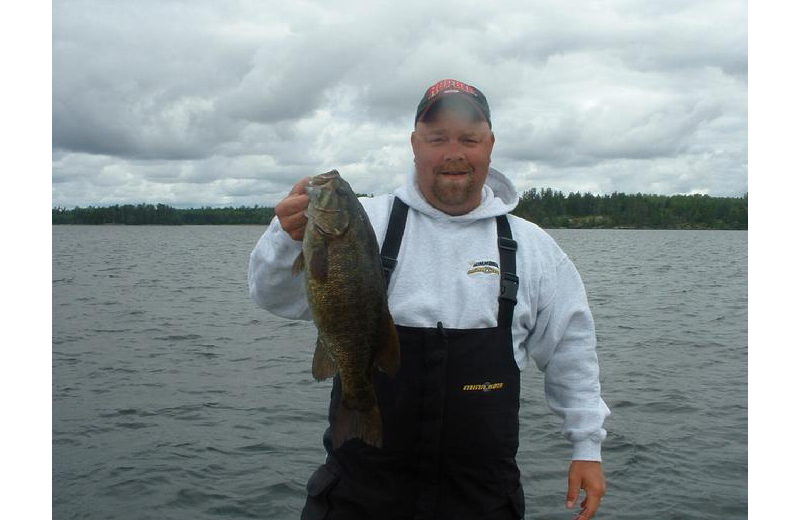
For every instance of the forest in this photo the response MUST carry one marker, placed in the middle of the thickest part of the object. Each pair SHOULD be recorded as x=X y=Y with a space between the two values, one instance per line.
x=552 y=209
x=547 y=207
x=161 y=214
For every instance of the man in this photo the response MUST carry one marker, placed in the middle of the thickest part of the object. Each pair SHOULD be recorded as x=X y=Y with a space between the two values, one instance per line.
x=475 y=293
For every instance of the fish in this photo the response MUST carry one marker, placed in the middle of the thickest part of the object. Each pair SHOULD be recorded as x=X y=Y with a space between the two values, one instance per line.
x=346 y=292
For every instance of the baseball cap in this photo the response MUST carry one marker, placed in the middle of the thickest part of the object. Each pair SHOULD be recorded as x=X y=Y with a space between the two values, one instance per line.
x=453 y=87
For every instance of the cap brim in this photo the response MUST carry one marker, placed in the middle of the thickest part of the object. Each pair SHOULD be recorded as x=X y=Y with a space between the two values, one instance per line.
x=452 y=95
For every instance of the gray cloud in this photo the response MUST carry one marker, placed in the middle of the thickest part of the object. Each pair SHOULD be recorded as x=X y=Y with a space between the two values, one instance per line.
x=230 y=103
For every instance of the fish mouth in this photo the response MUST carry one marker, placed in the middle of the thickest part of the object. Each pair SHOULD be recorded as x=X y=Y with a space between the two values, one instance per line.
x=327 y=208
x=322 y=179
x=323 y=182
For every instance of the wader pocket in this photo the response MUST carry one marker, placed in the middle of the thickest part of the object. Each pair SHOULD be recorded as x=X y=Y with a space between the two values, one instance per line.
x=320 y=483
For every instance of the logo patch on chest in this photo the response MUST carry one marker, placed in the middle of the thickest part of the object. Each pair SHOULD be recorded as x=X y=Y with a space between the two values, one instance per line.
x=483 y=266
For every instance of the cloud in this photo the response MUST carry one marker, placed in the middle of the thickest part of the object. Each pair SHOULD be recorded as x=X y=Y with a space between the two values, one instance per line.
x=227 y=103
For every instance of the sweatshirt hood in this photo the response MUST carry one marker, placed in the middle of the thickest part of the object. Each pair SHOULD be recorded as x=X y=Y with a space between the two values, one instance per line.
x=498 y=197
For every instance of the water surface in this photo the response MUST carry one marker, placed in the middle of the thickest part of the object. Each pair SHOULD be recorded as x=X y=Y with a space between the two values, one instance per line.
x=174 y=396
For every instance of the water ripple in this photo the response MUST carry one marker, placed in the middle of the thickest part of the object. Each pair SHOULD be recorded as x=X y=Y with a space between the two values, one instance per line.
x=175 y=397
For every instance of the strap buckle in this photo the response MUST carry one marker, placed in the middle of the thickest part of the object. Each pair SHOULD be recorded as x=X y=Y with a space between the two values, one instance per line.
x=509 y=285
x=388 y=264
x=509 y=244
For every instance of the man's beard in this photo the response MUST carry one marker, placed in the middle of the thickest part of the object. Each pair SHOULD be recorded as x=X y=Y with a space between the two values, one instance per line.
x=453 y=191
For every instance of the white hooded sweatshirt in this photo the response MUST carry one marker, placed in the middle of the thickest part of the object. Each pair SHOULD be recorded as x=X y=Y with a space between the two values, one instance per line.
x=447 y=271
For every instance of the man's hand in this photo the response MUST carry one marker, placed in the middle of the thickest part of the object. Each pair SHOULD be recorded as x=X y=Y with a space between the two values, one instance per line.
x=291 y=211
x=586 y=475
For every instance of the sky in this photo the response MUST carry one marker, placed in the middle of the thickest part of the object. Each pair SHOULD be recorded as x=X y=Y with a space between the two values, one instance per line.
x=208 y=103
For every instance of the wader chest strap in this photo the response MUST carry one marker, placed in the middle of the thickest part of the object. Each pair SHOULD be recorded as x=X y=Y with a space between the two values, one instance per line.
x=509 y=282
x=394 y=235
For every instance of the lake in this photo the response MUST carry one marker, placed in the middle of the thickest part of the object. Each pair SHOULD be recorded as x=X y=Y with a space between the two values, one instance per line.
x=175 y=396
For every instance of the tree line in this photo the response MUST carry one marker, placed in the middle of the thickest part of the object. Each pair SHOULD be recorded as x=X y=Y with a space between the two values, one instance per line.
x=161 y=214
x=545 y=206
x=551 y=208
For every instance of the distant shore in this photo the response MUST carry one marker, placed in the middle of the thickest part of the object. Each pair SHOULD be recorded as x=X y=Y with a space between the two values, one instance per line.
x=546 y=207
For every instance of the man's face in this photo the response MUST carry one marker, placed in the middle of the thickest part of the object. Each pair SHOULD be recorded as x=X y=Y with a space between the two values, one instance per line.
x=452 y=154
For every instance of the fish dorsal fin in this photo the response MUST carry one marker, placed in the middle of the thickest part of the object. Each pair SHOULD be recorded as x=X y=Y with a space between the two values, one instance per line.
x=323 y=366
x=387 y=358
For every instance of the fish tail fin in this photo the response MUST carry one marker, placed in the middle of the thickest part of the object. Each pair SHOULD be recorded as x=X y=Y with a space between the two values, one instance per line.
x=357 y=422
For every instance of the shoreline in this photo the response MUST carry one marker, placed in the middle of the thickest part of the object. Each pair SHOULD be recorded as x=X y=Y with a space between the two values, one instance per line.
x=618 y=228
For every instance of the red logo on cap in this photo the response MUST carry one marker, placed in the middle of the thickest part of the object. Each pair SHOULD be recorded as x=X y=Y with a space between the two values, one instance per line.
x=450 y=84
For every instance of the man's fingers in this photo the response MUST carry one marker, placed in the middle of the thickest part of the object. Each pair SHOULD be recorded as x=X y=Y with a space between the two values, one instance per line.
x=291 y=211
x=291 y=205
x=295 y=202
x=294 y=225
x=573 y=489
x=589 y=506
x=300 y=187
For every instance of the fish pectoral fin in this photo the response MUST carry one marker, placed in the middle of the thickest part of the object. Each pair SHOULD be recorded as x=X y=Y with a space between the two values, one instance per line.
x=318 y=263
x=323 y=366
x=299 y=264
x=387 y=358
